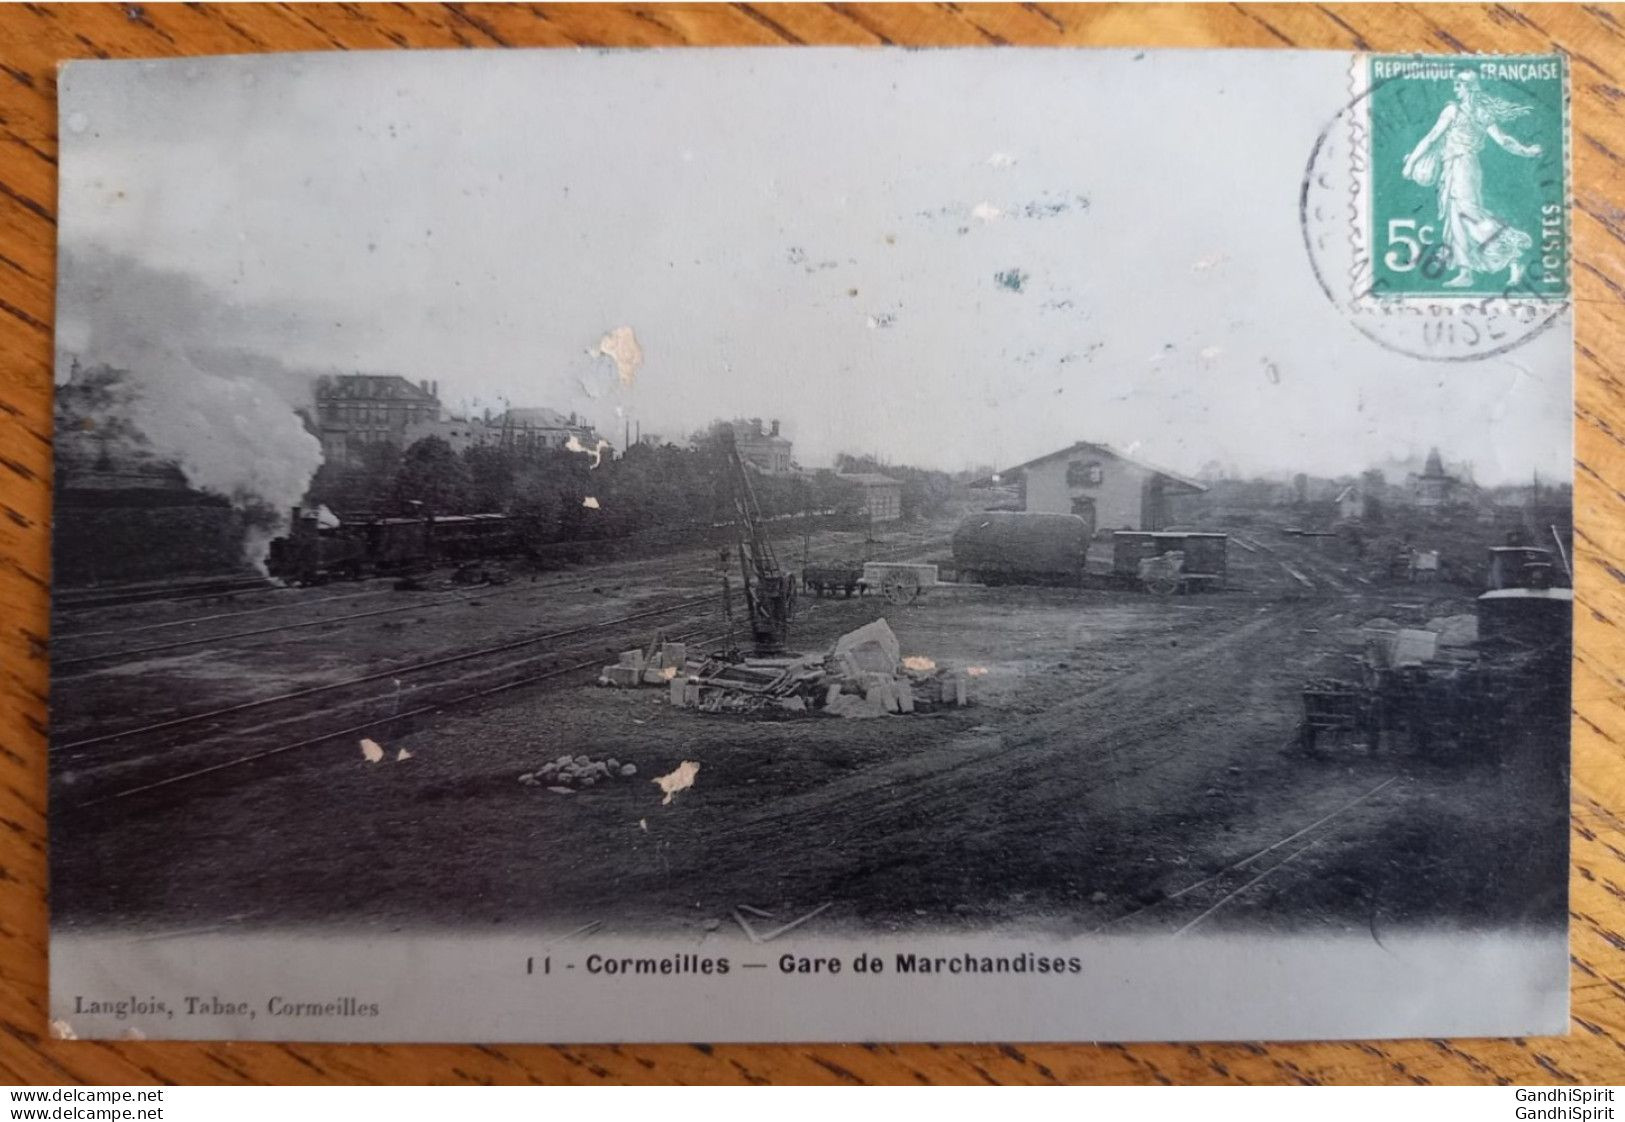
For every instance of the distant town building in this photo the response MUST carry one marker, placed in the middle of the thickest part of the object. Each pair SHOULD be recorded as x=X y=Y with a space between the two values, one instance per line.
x=1105 y=488
x=1435 y=487
x=360 y=409
x=462 y=433
x=1400 y=474
x=1351 y=502
x=539 y=428
x=764 y=450
x=882 y=495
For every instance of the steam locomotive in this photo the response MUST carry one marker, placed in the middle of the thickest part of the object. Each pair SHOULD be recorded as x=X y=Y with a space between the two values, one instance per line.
x=320 y=547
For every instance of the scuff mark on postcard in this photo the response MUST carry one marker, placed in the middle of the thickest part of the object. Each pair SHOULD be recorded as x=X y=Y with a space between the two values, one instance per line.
x=679 y=780
x=621 y=345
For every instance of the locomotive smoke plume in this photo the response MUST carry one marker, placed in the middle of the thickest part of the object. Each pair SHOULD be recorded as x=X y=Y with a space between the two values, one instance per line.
x=195 y=390
x=233 y=436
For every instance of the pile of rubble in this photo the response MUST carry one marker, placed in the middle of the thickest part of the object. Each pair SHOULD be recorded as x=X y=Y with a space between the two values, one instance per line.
x=1441 y=639
x=862 y=675
x=573 y=773
x=661 y=663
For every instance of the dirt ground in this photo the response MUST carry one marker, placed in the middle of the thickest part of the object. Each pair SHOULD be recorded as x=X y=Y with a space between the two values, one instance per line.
x=1122 y=753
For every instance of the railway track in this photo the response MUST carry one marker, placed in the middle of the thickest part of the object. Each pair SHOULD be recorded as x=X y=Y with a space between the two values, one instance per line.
x=388 y=591
x=377 y=725
x=206 y=588
x=184 y=621
x=374 y=725
x=59 y=665
x=1185 y=909
x=70 y=752
x=121 y=764
x=192 y=590
x=78 y=665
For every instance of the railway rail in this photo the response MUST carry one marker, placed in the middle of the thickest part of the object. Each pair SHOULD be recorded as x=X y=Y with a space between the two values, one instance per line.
x=1183 y=910
x=79 y=665
x=372 y=725
x=119 y=764
x=205 y=589
x=191 y=590
x=65 y=752
x=58 y=665
x=139 y=760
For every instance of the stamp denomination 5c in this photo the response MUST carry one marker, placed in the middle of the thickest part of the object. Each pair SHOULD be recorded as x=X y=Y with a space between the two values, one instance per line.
x=1435 y=206
x=1468 y=184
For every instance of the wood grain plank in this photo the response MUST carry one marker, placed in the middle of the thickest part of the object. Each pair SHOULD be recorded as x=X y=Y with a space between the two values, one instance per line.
x=34 y=38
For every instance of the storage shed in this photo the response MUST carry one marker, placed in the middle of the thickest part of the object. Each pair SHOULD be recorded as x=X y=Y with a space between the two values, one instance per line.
x=1108 y=490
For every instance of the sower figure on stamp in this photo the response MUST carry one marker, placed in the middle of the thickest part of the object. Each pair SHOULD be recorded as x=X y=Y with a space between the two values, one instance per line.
x=1478 y=240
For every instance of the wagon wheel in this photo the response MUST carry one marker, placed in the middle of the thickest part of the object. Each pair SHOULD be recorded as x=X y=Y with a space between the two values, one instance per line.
x=901 y=587
x=1163 y=584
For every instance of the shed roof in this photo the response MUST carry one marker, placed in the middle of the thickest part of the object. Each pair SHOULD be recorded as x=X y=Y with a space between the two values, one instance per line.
x=870 y=479
x=1107 y=450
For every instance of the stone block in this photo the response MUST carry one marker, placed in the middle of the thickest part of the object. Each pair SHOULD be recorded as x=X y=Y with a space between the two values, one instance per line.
x=621 y=675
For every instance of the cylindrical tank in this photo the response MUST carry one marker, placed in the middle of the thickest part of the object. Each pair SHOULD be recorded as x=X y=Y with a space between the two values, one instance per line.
x=999 y=546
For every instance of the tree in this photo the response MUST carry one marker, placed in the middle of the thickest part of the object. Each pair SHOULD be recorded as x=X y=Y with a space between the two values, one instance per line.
x=432 y=474
x=491 y=473
x=548 y=498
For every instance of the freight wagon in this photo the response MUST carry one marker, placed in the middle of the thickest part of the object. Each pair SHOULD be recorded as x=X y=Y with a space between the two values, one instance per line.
x=314 y=552
x=1167 y=561
x=1014 y=547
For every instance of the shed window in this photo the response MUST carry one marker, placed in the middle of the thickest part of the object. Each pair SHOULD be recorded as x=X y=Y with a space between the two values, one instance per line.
x=1084 y=473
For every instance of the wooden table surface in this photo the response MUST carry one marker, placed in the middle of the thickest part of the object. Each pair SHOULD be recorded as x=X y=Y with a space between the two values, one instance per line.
x=33 y=38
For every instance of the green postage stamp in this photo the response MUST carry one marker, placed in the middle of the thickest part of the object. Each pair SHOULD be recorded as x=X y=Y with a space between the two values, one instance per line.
x=1468 y=176
x=1435 y=204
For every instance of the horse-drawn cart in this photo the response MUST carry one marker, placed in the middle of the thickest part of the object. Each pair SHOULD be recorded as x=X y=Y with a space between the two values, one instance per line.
x=900 y=582
x=838 y=576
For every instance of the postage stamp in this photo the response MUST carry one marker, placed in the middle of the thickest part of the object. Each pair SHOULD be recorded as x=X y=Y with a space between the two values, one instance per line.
x=1435 y=206
x=1468 y=177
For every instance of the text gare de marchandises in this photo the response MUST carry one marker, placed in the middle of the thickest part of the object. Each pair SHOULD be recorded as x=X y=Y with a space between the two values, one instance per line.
x=901 y=963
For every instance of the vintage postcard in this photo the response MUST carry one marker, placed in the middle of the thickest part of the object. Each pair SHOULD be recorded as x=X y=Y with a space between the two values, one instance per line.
x=812 y=545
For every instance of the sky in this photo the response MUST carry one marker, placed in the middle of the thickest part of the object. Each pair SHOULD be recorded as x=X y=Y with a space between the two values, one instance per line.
x=943 y=258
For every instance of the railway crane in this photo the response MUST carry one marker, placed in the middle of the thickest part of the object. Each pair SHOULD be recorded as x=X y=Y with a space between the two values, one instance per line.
x=769 y=591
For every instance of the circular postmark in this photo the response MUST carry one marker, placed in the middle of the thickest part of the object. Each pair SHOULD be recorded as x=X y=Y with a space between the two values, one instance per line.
x=1434 y=205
